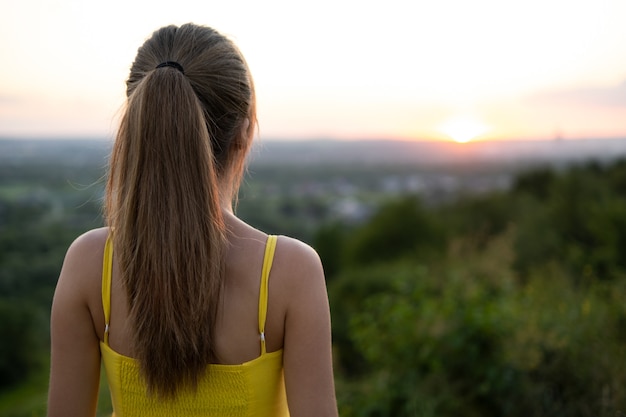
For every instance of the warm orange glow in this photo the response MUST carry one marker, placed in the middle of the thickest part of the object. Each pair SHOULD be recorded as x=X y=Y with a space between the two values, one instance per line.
x=462 y=129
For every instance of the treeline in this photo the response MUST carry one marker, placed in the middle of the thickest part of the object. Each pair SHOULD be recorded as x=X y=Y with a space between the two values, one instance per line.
x=509 y=303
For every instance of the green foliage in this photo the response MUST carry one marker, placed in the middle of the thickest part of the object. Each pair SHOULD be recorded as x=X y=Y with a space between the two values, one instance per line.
x=479 y=218
x=32 y=245
x=503 y=303
x=28 y=398
x=578 y=220
x=41 y=212
x=401 y=228
x=21 y=343
x=464 y=337
x=330 y=239
x=427 y=340
x=536 y=183
x=347 y=294
x=524 y=313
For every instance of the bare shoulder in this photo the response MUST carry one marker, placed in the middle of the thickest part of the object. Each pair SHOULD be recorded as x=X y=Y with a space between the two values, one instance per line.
x=89 y=241
x=299 y=269
x=298 y=259
x=83 y=259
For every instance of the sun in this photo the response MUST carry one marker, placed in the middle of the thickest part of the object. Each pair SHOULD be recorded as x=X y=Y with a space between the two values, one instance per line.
x=462 y=129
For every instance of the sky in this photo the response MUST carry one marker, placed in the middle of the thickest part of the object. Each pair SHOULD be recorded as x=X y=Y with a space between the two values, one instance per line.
x=414 y=70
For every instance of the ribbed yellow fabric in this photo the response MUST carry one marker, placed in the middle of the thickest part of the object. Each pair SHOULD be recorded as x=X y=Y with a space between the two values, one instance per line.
x=255 y=388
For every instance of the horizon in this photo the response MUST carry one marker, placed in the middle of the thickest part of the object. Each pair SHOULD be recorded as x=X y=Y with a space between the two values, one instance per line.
x=308 y=152
x=304 y=139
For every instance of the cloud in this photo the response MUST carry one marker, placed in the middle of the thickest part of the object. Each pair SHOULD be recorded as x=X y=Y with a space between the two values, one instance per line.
x=614 y=96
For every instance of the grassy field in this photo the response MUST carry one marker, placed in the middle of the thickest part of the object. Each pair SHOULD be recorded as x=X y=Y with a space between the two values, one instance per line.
x=29 y=399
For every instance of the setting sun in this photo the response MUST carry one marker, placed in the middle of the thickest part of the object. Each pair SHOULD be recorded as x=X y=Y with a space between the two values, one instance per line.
x=463 y=129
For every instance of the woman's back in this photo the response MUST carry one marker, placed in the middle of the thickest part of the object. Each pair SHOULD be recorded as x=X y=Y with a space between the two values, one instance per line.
x=297 y=319
x=237 y=338
x=252 y=387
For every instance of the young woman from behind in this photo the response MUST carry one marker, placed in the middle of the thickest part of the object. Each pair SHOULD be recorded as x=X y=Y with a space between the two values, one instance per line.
x=192 y=311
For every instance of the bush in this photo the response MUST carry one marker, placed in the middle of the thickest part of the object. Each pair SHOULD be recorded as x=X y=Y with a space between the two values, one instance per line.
x=402 y=228
x=21 y=345
x=464 y=336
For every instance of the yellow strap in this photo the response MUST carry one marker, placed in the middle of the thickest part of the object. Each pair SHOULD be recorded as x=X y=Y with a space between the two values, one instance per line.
x=106 y=286
x=270 y=246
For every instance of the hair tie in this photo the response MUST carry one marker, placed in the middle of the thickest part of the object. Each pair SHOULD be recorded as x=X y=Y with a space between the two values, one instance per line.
x=172 y=64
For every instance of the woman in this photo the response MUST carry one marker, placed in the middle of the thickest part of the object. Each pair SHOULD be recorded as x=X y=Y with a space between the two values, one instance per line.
x=192 y=311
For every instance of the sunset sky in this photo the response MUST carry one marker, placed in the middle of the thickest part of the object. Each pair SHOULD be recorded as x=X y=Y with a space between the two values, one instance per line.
x=444 y=69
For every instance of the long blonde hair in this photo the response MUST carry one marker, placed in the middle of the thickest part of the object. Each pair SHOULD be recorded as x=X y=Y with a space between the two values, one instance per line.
x=186 y=128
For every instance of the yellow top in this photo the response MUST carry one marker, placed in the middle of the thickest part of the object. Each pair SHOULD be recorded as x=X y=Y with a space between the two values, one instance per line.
x=254 y=388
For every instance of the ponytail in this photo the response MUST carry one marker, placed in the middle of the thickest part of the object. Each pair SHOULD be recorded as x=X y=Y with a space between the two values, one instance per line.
x=163 y=208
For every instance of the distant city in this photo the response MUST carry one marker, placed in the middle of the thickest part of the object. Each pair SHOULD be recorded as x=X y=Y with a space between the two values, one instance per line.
x=435 y=153
x=327 y=151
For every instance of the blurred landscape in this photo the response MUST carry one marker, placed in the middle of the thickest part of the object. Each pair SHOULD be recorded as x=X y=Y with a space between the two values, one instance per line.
x=476 y=279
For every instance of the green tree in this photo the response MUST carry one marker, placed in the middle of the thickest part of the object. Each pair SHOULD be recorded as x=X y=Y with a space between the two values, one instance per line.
x=21 y=344
x=401 y=228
